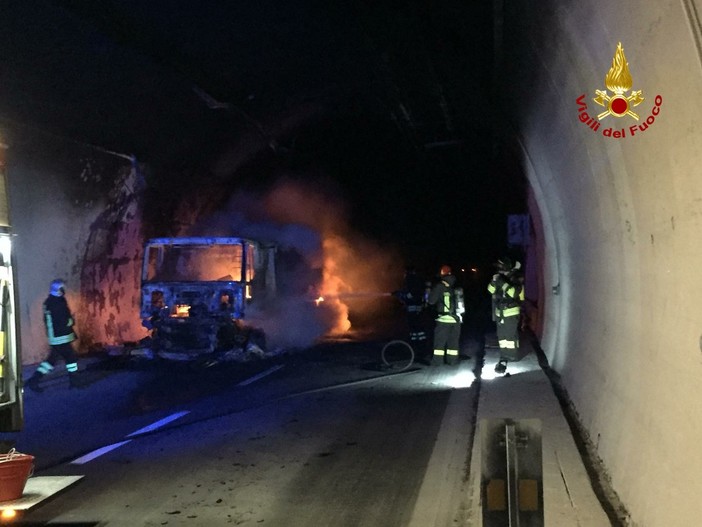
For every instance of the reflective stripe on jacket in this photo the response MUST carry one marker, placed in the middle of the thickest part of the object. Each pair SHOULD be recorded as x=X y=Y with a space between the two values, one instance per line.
x=440 y=298
x=445 y=314
x=58 y=320
x=508 y=297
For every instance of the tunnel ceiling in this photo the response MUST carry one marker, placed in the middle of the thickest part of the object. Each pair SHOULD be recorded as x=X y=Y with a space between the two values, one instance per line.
x=392 y=100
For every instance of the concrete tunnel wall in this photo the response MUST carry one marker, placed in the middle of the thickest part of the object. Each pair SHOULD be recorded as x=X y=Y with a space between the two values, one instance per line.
x=75 y=215
x=621 y=224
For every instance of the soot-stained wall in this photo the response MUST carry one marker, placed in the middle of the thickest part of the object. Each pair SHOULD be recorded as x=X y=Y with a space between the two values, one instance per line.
x=621 y=220
x=75 y=213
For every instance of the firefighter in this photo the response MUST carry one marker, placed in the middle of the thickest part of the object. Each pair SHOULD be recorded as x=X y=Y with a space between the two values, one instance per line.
x=447 y=331
x=412 y=296
x=507 y=292
x=58 y=322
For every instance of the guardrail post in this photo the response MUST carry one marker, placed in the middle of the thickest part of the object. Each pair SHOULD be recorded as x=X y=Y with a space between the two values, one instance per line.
x=511 y=473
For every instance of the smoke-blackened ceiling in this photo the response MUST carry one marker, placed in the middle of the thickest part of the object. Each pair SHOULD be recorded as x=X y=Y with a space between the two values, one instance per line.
x=390 y=100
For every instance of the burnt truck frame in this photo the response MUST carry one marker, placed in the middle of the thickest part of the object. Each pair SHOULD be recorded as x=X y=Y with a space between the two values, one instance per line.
x=195 y=292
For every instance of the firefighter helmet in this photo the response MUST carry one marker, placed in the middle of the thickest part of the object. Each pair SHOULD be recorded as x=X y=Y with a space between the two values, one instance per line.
x=57 y=287
x=504 y=264
x=445 y=269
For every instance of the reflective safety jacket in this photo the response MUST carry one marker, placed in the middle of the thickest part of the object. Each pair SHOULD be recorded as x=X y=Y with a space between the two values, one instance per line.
x=58 y=321
x=508 y=297
x=443 y=298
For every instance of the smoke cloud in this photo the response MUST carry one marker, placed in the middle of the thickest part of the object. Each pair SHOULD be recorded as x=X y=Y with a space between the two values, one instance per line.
x=319 y=256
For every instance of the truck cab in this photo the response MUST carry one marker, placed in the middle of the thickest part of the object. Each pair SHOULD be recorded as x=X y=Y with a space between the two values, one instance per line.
x=195 y=292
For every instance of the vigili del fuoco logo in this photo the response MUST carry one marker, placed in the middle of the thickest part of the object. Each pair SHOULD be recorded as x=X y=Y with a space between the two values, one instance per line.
x=621 y=103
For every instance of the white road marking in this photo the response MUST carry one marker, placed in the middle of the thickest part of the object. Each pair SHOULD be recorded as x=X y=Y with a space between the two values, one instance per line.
x=260 y=375
x=97 y=453
x=160 y=423
x=353 y=383
x=104 y=450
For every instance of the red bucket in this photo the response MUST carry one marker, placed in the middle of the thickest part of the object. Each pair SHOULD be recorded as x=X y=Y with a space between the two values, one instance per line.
x=15 y=469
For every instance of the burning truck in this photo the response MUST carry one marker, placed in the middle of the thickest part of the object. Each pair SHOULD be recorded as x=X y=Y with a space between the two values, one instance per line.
x=195 y=292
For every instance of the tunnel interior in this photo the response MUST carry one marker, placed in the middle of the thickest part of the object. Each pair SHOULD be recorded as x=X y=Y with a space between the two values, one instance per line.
x=384 y=134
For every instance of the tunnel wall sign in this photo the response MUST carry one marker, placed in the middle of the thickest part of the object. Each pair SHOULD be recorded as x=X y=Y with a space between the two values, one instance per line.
x=518 y=230
x=511 y=473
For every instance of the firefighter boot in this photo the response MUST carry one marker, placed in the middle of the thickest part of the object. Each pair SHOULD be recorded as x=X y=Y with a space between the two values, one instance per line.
x=33 y=382
x=437 y=360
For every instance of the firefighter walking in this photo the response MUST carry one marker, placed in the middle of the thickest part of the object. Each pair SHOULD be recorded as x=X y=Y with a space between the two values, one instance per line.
x=58 y=322
x=507 y=293
x=447 y=332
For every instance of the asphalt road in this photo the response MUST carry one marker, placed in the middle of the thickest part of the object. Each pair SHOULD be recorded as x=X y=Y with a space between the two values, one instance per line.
x=316 y=438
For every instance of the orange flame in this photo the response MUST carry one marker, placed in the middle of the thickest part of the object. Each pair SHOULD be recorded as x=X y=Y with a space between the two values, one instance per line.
x=333 y=284
x=349 y=263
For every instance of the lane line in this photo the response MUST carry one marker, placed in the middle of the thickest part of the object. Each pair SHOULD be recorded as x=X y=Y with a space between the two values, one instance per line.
x=109 y=448
x=97 y=453
x=260 y=375
x=351 y=383
x=160 y=423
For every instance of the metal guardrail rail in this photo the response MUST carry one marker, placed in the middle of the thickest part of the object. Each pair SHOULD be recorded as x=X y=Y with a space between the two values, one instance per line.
x=512 y=473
